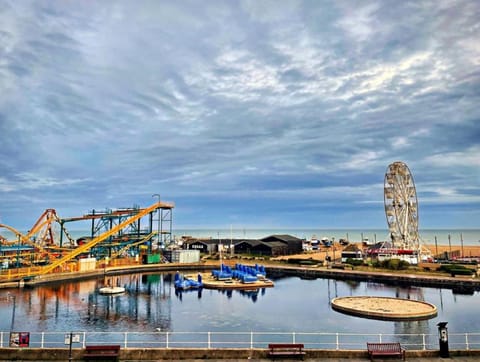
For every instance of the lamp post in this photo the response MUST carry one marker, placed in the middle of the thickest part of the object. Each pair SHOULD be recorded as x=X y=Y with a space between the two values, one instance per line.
x=158 y=226
x=14 y=299
x=333 y=245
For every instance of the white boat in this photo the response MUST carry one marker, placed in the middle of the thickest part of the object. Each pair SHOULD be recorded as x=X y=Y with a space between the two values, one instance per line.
x=110 y=287
x=111 y=290
x=367 y=242
x=326 y=241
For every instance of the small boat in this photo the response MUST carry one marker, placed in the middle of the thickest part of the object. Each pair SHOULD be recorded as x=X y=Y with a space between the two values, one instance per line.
x=111 y=290
x=326 y=242
x=248 y=274
x=224 y=273
x=186 y=283
x=343 y=242
x=367 y=242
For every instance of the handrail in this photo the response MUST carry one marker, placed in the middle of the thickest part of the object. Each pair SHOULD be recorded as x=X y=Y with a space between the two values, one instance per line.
x=247 y=340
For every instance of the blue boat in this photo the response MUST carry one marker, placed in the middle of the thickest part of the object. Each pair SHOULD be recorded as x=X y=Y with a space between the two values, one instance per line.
x=244 y=273
x=224 y=273
x=185 y=283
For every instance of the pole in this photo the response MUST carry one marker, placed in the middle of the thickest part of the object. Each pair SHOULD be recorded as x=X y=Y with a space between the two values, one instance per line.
x=231 y=241
x=70 y=348
x=333 y=244
x=436 y=247
x=14 y=299
x=158 y=226
x=449 y=247
x=461 y=241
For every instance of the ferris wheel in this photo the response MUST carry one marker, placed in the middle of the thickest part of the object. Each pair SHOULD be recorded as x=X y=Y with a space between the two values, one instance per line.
x=401 y=206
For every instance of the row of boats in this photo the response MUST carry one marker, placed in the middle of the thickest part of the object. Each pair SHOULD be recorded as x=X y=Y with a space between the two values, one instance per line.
x=245 y=274
x=314 y=243
x=240 y=274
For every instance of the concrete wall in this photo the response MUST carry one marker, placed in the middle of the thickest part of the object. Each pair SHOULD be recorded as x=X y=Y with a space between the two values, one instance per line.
x=139 y=354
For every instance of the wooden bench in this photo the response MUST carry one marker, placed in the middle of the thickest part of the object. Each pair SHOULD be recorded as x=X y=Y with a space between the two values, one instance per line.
x=102 y=352
x=385 y=349
x=286 y=349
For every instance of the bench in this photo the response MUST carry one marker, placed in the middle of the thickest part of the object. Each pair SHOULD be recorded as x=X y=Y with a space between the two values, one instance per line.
x=385 y=349
x=102 y=352
x=286 y=349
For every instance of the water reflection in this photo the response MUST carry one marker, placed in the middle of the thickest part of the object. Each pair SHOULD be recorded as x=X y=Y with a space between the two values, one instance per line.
x=251 y=294
x=151 y=303
x=179 y=293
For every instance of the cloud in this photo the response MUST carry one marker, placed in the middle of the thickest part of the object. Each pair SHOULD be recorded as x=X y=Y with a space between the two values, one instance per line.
x=467 y=158
x=253 y=103
x=358 y=22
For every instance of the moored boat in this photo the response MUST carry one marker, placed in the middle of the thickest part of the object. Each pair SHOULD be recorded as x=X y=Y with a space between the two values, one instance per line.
x=186 y=283
x=111 y=290
x=109 y=287
x=326 y=241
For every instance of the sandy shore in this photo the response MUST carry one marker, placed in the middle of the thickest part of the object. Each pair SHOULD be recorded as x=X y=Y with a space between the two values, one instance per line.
x=334 y=252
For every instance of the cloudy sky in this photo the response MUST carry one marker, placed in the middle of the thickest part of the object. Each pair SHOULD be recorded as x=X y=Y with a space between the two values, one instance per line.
x=244 y=113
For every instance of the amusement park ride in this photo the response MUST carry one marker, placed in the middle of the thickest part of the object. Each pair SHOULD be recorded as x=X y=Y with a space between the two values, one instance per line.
x=114 y=233
x=401 y=209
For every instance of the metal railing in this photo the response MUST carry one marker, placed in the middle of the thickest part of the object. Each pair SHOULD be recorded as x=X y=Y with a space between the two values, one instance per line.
x=247 y=340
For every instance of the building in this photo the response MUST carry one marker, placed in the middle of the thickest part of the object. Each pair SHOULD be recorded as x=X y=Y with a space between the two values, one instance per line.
x=293 y=244
x=258 y=247
x=273 y=245
x=204 y=246
x=210 y=246
x=352 y=252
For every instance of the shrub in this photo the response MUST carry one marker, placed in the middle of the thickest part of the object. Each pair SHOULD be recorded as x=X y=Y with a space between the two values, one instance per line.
x=392 y=264
x=302 y=261
x=354 y=262
x=460 y=271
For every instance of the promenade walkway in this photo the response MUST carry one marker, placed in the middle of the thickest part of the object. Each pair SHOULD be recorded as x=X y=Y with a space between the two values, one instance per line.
x=422 y=359
x=229 y=355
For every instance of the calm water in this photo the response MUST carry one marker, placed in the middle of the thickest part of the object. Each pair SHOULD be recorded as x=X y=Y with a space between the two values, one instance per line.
x=292 y=305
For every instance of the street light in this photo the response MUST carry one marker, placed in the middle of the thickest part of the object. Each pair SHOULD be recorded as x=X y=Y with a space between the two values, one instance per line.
x=158 y=226
x=14 y=298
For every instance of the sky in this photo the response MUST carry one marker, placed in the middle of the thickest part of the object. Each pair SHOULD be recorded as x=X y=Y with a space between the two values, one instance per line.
x=251 y=114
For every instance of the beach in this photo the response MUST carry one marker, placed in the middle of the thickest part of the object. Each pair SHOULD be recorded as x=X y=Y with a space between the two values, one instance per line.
x=334 y=252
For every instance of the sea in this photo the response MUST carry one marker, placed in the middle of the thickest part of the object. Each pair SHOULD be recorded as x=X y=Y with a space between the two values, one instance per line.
x=428 y=236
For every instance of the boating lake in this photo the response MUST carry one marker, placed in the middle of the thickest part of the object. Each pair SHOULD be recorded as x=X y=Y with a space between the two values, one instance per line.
x=292 y=305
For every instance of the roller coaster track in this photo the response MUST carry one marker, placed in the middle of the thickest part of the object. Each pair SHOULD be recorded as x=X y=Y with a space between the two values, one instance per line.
x=18 y=234
x=43 y=225
x=128 y=246
x=87 y=246
x=25 y=239
x=44 y=222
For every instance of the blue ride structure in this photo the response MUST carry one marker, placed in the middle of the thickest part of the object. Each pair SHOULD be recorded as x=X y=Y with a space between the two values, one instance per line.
x=244 y=273
x=185 y=283
x=224 y=273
